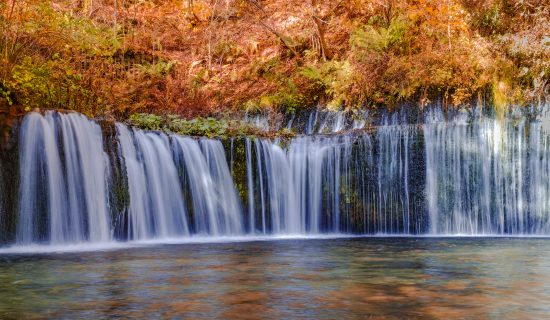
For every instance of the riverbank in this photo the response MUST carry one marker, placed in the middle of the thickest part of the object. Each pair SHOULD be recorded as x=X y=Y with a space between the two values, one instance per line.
x=202 y=58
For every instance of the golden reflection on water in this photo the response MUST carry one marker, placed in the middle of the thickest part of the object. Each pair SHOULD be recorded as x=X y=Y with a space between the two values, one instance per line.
x=315 y=279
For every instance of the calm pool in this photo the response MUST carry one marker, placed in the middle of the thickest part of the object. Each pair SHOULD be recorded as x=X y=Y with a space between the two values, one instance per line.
x=358 y=278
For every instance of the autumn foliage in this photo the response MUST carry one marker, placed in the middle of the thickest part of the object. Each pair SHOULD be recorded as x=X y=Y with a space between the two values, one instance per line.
x=210 y=57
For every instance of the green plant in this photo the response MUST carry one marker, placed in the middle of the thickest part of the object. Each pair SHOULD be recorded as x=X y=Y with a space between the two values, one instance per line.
x=156 y=69
x=210 y=127
x=334 y=77
x=5 y=94
x=380 y=39
x=146 y=121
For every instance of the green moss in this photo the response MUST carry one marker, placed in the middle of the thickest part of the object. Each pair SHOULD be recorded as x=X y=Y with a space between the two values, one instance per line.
x=207 y=127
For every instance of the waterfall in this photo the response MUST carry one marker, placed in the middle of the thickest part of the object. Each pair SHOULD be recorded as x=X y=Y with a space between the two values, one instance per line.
x=487 y=176
x=311 y=161
x=156 y=205
x=393 y=177
x=277 y=196
x=216 y=208
x=63 y=174
x=306 y=161
x=250 y=187
x=457 y=173
x=326 y=183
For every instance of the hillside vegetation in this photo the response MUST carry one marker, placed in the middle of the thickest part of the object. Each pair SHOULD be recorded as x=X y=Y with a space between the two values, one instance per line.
x=116 y=58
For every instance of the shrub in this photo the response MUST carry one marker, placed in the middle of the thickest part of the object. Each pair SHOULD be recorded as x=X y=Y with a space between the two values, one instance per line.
x=146 y=121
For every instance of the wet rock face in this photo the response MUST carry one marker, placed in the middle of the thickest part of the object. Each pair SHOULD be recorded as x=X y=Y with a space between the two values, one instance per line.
x=9 y=176
x=117 y=181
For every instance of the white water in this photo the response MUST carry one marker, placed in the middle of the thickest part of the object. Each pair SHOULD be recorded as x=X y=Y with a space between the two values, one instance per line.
x=466 y=176
x=216 y=208
x=276 y=191
x=334 y=183
x=487 y=177
x=315 y=122
x=156 y=204
x=393 y=177
x=63 y=173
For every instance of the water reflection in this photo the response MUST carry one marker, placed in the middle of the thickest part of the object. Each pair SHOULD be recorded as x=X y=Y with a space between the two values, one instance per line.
x=320 y=279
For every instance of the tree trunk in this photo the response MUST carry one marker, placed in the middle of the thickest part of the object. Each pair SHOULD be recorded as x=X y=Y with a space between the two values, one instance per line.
x=320 y=25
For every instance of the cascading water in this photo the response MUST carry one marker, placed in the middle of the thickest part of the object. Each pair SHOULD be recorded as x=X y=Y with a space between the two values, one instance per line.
x=63 y=173
x=487 y=177
x=468 y=175
x=330 y=184
x=314 y=122
x=156 y=208
x=317 y=167
x=278 y=202
x=393 y=177
x=216 y=208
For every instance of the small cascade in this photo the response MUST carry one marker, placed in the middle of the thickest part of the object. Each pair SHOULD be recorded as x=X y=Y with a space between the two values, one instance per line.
x=360 y=120
x=63 y=174
x=260 y=121
x=393 y=192
x=487 y=177
x=339 y=122
x=317 y=166
x=332 y=122
x=311 y=121
x=275 y=191
x=156 y=206
x=215 y=205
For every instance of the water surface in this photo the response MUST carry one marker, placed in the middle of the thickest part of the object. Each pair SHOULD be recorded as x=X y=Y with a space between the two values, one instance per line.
x=501 y=278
